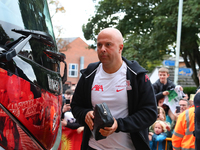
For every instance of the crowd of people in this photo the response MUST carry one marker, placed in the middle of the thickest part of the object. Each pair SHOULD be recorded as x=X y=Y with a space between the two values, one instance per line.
x=67 y=118
x=143 y=116
x=180 y=121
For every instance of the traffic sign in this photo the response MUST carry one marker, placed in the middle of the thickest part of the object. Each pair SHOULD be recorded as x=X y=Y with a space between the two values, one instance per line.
x=169 y=63
x=185 y=71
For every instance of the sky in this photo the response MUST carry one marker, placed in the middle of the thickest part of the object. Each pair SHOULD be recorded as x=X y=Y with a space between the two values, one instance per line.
x=77 y=14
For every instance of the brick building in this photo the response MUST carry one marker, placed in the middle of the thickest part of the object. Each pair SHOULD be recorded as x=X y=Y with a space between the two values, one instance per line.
x=78 y=56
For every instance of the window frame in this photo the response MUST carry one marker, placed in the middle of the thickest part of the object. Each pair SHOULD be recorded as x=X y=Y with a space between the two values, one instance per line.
x=75 y=70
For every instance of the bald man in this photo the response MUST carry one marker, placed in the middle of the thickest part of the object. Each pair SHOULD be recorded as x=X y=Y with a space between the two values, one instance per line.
x=125 y=87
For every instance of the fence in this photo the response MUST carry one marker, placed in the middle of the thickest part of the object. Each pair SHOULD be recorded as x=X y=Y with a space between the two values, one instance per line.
x=166 y=140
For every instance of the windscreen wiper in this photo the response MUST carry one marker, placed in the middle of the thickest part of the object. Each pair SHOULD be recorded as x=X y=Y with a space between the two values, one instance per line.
x=16 y=46
x=38 y=35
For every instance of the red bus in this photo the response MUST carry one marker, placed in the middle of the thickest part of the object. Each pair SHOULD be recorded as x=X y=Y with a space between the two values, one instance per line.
x=30 y=81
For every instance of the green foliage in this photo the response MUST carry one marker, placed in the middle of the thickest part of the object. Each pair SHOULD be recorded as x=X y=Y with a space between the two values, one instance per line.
x=189 y=90
x=149 y=27
x=134 y=50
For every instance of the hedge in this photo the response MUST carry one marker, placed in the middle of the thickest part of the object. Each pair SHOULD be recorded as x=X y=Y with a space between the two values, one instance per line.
x=189 y=90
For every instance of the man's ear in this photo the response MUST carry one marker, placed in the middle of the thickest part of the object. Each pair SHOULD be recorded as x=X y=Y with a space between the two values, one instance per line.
x=121 y=48
x=168 y=75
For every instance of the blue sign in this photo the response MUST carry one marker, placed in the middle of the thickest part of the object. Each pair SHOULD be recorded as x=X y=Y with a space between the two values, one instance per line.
x=169 y=63
x=185 y=71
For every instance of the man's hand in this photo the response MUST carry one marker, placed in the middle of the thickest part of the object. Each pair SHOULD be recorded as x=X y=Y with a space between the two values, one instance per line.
x=89 y=119
x=109 y=130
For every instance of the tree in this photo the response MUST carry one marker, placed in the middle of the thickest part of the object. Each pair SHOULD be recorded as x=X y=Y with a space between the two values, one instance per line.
x=149 y=27
x=55 y=7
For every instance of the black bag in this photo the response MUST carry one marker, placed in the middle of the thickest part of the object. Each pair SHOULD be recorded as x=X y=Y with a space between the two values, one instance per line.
x=102 y=118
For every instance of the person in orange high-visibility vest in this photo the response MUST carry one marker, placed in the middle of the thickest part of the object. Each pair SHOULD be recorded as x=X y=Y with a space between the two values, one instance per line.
x=183 y=138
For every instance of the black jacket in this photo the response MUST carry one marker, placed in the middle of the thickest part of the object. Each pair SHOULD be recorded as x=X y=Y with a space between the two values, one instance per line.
x=197 y=121
x=159 y=88
x=142 y=106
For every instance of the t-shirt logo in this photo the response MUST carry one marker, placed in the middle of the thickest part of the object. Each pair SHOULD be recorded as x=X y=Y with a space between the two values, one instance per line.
x=128 y=85
x=98 y=88
x=146 y=78
x=118 y=90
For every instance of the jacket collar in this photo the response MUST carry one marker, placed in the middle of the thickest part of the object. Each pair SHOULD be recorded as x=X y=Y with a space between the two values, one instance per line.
x=133 y=66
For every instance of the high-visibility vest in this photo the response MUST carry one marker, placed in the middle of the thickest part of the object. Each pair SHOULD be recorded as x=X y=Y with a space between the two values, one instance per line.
x=183 y=138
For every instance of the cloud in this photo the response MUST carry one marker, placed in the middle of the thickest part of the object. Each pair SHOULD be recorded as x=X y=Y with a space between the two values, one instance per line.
x=77 y=14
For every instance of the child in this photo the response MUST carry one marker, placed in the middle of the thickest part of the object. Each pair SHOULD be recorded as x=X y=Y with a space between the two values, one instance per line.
x=163 y=83
x=169 y=116
x=158 y=136
x=162 y=117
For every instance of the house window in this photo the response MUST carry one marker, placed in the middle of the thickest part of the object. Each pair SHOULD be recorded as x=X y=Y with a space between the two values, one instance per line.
x=73 y=70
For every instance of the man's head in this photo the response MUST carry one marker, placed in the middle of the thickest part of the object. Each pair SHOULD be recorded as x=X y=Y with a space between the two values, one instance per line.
x=109 y=49
x=184 y=104
x=163 y=74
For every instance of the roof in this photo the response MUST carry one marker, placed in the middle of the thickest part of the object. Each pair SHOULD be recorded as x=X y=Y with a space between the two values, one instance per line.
x=69 y=40
x=64 y=41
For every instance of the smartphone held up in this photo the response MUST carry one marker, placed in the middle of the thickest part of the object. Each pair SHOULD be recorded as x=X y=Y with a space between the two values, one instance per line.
x=67 y=101
x=177 y=109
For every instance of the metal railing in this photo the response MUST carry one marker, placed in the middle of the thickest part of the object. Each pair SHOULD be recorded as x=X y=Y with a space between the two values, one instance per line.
x=166 y=140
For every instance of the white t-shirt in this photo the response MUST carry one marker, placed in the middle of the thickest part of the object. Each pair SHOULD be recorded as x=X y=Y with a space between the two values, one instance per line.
x=112 y=89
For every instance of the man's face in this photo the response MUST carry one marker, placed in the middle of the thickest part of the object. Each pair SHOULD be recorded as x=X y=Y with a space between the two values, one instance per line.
x=108 y=49
x=163 y=77
x=183 y=105
x=158 y=128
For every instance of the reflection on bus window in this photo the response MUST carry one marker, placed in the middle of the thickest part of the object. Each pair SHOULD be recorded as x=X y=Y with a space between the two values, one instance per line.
x=27 y=14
